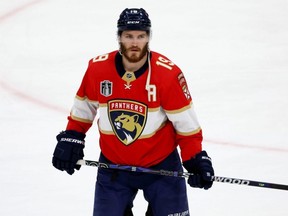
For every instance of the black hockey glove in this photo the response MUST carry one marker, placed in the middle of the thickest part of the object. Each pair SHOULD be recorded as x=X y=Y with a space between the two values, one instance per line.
x=68 y=151
x=201 y=167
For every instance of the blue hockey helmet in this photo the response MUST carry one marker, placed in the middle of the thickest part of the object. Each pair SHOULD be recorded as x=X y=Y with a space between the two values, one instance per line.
x=134 y=19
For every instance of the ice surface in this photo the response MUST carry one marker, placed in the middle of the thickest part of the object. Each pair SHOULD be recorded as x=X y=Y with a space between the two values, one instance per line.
x=234 y=55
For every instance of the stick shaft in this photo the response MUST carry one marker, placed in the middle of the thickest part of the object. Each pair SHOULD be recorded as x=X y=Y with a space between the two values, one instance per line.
x=249 y=183
x=182 y=174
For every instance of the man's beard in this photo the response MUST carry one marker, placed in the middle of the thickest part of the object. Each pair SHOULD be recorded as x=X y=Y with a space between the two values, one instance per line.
x=134 y=58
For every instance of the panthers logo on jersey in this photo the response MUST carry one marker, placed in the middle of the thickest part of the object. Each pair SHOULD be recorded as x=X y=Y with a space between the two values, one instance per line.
x=127 y=118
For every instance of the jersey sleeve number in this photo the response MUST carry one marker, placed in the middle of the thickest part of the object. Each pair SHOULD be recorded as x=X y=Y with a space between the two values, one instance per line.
x=101 y=58
x=164 y=63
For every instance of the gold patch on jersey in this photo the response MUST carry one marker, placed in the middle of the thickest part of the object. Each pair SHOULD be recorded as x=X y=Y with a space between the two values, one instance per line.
x=127 y=118
x=128 y=77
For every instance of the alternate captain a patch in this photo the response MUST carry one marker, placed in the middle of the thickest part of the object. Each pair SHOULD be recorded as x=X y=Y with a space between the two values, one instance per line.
x=183 y=84
x=127 y=118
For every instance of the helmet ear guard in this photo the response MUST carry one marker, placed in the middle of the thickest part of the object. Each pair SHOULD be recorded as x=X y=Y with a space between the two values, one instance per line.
x=133 y=19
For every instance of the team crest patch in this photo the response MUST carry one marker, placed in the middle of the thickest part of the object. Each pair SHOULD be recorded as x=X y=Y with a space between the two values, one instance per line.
x=106 y=88
x=128 y=119
x=183 y=84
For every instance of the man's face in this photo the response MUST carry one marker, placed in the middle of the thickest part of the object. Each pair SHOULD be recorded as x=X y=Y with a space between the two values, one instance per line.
x=134 y=45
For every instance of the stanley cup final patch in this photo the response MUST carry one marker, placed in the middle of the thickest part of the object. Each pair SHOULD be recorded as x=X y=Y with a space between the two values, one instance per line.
x=106 y=88
x=127 y=118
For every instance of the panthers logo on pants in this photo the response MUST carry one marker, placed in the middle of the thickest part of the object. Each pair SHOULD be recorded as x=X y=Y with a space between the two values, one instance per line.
x=127 y=119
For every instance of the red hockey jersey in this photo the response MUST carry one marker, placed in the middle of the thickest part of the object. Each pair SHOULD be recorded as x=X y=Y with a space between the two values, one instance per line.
x=143 y=115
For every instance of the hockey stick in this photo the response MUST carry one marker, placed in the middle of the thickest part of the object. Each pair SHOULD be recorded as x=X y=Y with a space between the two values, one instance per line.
x=181 y=174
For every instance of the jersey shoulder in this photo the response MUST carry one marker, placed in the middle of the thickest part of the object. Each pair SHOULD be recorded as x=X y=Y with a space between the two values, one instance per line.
x=101 y=64
x=163 y=66
x=103 y=59
x=168 y=75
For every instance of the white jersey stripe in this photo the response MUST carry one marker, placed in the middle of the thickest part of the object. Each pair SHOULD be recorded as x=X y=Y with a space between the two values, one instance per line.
x=84 y=110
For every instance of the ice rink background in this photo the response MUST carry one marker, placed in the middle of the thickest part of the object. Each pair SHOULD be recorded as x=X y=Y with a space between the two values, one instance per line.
x=235 y=58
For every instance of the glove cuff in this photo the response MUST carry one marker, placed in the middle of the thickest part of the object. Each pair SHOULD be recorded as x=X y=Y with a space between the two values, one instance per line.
x=71 y=137
x=192 y=164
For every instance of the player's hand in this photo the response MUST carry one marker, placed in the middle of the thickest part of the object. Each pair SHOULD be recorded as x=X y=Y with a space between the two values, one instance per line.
x=201 y=167
x=68 y=151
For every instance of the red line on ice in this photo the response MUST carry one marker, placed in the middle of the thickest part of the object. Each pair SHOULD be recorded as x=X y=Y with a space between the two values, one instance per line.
x=31 y=99
x=13 y=90
x=18 y=9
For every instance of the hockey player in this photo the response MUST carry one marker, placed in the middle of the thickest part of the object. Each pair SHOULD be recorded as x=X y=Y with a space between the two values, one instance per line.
x=146 y=112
